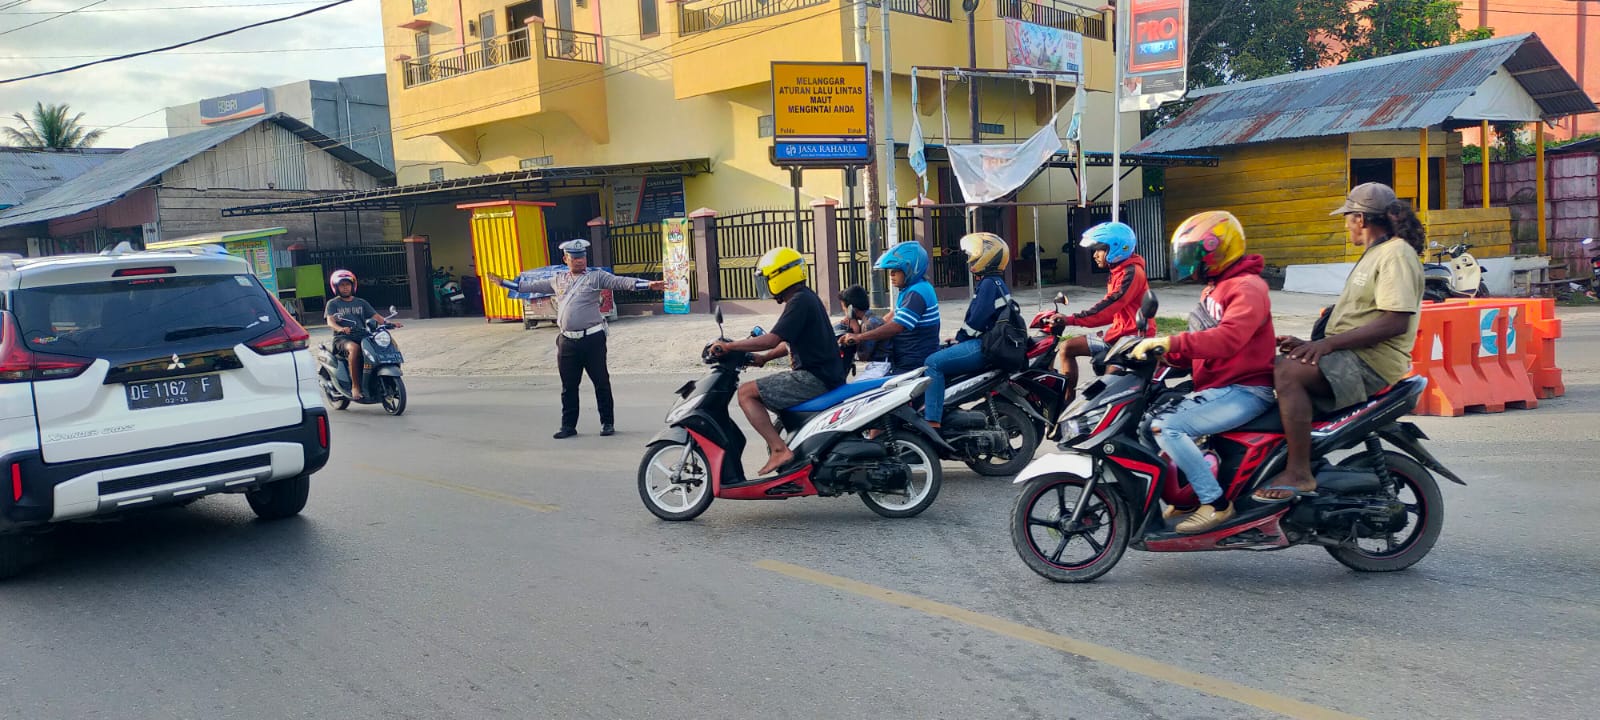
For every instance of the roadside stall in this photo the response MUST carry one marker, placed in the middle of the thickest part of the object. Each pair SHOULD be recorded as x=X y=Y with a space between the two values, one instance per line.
x=255 y=246
x=508 y=237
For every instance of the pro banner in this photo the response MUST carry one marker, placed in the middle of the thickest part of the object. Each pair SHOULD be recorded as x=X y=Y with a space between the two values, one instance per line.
x=675 y=267
x=1156 y=67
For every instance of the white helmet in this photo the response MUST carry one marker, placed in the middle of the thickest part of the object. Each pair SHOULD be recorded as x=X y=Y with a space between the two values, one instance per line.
x=340 y=276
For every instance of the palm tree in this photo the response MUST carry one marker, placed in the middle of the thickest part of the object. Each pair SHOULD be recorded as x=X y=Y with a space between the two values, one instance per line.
x=51 y=129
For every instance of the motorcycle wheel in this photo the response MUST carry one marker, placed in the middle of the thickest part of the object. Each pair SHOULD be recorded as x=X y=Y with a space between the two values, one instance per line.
x=669 y=500
x=1024 y=438
x=394 y=395
x=1041 y=509
x=338 y=403
x=922 y=486
x=1413 y=485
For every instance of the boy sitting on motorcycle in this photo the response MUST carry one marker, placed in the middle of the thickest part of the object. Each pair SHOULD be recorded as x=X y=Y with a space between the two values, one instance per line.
x=987 y=256
x=1229 y=347
x=1113 y=247
x=858 y=318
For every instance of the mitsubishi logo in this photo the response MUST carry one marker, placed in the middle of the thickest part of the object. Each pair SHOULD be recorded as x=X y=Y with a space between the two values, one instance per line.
x=176 y=364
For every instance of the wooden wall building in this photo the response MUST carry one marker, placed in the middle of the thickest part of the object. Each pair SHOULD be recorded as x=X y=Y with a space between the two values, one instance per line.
x=1292 y=146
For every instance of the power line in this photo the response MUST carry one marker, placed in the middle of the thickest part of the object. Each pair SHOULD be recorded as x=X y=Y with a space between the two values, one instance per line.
x=9 y=5
x=52 y=17
x=553 y=87
x=175 y=46
x=245 y=6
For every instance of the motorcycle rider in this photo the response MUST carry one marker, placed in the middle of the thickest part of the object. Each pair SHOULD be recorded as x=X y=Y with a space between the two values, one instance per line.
x=914 y=325
x=1369 y=334
x=804 y=332
x=1229 y=348
x=1113 y=246
x=858 y=318
x=987 y=257
x=351 y=309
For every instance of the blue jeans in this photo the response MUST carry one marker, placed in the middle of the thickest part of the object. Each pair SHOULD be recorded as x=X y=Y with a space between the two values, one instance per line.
x=959 y=358
x=1206 y=413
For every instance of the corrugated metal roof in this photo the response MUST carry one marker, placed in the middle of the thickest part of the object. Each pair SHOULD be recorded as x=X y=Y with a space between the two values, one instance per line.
x=143 y=165
x=1407 y=91
x=26 y=173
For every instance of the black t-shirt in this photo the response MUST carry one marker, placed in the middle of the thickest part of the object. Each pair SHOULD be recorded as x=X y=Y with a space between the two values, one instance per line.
x=805 y=325
x=353 y=309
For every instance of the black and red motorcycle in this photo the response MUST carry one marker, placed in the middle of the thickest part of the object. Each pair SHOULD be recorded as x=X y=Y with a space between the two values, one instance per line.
x=1375 y=509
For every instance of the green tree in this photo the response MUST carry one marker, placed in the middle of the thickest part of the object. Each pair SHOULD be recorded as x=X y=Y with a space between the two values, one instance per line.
x=1388 y=27
x=51 y=128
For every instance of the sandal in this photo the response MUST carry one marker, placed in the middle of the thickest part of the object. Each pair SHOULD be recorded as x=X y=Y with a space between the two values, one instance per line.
x=1256 y=496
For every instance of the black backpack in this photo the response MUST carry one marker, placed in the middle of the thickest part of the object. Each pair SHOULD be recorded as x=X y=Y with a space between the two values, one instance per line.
x=1005 y=346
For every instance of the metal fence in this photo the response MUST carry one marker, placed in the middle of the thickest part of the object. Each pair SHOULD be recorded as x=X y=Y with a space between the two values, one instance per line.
x=1059 y=15
x=733 y=12
x=380 y=272
x=935 y=9
x=571 y=45
x=636 y=251
x=855 y=258
x=1148 y=219
x=743 y=238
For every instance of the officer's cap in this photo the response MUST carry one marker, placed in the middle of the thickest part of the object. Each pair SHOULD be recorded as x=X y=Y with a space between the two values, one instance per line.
x=575 y=248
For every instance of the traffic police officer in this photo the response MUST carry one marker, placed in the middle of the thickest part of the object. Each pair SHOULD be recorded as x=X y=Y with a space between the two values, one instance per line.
x=581 y=346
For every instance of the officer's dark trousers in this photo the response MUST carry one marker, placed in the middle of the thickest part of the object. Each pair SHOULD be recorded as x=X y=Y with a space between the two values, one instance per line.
x=573 y=357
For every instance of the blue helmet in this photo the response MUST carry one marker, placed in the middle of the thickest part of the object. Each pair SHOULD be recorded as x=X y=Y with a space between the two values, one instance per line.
x=1117 y=237
x=907 y=257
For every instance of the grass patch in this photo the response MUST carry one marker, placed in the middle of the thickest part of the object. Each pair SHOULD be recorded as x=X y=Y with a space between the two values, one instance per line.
x=1171 y=325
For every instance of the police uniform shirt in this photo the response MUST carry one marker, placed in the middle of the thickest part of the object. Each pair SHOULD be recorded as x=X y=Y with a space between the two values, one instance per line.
x=578 y=296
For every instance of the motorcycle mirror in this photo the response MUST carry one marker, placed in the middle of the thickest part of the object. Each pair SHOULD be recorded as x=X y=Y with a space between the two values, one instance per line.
x=1435 y=245
x=1588 y=241
x=1060 y=299
x=720 y=333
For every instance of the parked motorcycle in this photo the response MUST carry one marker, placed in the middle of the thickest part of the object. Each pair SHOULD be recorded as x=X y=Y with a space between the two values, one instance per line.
x=698 y=457
x=447 y=294
x=1105 y=487
x=381 y=376
x=1454 y=273
x=1590 y=247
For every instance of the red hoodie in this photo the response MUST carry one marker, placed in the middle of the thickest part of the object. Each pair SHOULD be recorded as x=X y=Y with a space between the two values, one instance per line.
x=1241 y=348
x=1120 y=306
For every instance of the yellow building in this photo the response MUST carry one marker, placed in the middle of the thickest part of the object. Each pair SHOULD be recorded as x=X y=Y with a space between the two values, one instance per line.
x=583 y=97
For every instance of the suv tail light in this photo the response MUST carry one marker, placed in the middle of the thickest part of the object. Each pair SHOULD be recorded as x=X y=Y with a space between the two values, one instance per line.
x=16 y=482
x=19 y=364
x=289 y=337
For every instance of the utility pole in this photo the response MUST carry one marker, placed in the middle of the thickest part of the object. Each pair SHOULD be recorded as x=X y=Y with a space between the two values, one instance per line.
x=870 y=173
x=892 y=207
x=1118 y=49
x=971 y=6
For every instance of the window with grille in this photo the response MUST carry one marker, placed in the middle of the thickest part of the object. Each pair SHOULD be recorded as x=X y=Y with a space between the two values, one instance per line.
x=419 y=7
x=649 y=20
x=436 y=175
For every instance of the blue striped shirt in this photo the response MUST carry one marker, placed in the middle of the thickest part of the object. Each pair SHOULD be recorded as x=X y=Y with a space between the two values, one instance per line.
x=918 y=313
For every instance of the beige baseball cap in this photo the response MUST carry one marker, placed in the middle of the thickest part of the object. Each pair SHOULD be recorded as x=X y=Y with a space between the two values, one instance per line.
x=1369 y=198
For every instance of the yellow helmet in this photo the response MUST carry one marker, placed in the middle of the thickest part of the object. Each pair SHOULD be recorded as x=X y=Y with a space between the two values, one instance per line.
x=780 y=269
x=1206 y=244
x=986 y=253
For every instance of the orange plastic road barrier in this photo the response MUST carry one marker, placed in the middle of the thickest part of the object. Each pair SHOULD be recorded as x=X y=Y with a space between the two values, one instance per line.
x=1483 y=355
x=1538 y=328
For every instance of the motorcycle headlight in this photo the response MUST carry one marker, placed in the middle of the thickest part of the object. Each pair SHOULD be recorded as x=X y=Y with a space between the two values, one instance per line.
x=683 y=408
x=382 y=339
x=1081 y=420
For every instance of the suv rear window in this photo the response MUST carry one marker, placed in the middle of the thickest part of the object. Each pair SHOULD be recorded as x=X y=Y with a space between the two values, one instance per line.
x=96 y=319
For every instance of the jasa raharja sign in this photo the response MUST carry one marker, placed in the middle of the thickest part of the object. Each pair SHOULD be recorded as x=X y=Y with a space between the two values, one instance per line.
x=250 y=103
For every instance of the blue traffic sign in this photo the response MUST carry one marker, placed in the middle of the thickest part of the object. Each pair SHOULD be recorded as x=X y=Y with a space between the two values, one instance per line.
x=822 y=150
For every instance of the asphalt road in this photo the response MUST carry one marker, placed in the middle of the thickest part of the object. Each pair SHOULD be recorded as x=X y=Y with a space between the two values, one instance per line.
x=458 y=563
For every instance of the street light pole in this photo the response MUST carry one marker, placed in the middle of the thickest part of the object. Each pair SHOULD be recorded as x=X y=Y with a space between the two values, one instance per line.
x=891 y=191
x=870 y=219
x=971 y=6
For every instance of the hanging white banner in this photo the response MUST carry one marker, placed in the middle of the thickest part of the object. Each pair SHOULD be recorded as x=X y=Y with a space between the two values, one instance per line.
x=989 y=172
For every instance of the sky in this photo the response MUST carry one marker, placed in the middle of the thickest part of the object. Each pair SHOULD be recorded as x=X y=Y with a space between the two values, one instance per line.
x=131 y=94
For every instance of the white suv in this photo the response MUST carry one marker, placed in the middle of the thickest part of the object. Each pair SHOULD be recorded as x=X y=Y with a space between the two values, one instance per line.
x=133 y=379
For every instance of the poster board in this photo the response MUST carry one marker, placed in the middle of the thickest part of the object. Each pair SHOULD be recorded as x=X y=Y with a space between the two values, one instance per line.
x=675 y=265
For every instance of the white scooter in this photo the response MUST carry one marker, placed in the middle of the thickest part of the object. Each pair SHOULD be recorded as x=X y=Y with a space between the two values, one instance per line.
x=1454 y=273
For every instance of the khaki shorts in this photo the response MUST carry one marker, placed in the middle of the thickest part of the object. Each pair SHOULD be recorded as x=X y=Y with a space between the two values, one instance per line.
x=1352 y=380
x=788 y=389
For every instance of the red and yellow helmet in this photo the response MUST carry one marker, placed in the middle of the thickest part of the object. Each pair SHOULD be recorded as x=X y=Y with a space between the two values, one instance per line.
x=1206 y=244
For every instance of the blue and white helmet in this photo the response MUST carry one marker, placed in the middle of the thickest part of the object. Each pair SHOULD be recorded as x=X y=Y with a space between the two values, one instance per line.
x=1118 y=238
x=907 y=257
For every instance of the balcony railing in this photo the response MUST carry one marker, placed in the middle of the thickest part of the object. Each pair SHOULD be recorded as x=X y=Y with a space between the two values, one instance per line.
x=936 y=9
x=511 y=47
x=733 y=12
x=1059 y=15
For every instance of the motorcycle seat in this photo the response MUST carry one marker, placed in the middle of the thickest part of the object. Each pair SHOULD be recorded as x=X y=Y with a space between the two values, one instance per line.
x=838 y=395
x=1271 y=422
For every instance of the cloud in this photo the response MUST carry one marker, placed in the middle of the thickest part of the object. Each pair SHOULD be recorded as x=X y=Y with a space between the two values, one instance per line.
x=122 y=91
